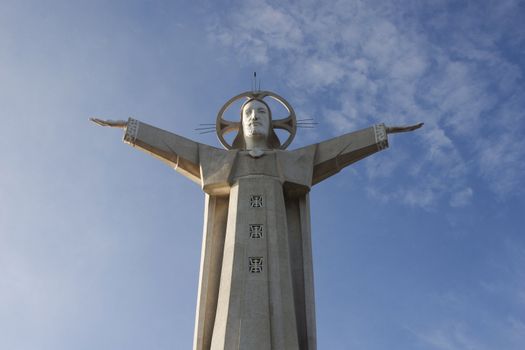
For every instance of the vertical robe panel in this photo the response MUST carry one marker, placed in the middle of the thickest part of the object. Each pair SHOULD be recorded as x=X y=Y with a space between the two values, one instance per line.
x=308 y=266
x=215 y=220
x=299 y=233
x=256 y=308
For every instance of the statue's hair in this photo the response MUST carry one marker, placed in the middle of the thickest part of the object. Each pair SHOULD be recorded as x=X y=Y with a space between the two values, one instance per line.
x=272 y=140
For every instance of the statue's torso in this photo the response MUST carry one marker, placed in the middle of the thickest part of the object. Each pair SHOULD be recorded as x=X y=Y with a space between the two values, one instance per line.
x=222 y=169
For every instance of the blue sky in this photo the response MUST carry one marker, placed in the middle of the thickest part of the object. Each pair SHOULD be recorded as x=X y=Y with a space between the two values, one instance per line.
x=419 y=247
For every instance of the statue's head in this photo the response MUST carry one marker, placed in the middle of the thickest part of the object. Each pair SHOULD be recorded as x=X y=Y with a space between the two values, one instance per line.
x=256 y=127
x=256 y=120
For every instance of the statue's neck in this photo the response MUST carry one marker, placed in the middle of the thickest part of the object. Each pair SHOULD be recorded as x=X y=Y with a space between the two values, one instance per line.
x=256 y=145
x=256 y=142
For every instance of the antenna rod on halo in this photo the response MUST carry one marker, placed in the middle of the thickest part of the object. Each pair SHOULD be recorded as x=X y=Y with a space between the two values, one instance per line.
x=254 y=84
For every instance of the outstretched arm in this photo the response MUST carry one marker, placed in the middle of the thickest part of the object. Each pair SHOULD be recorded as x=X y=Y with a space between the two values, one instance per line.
x=397 y=129
x=335 y=154
x=178 y=152
x=111 y=123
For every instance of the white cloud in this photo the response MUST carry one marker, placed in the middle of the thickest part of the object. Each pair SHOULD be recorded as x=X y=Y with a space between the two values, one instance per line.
x=420 y=197
x=509 y=282
x=340 y=121
x=502 y=162
x=313 y=73
x=451 y=337
x=466 y=321
x=384 y=63
x=516 y=330
x=461 y=198
x=440 y=150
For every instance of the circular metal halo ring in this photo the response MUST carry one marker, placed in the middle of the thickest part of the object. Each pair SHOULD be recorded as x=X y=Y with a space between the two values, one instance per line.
x=288 y=123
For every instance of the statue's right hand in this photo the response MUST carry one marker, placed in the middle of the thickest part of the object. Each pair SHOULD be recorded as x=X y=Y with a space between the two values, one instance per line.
x=111 y=123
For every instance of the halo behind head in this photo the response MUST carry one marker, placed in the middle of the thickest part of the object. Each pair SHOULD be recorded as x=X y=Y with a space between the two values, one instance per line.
x=288 y=123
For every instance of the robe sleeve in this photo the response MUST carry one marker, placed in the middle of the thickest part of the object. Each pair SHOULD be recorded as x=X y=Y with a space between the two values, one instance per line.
x=333 y=155
x=178 y=152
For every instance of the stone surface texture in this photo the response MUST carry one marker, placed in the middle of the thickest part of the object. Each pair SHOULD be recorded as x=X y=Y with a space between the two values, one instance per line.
x=256 y=287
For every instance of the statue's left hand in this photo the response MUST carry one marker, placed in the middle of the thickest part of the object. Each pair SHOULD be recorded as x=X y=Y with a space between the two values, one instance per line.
x=111 y=123
x=396 y=129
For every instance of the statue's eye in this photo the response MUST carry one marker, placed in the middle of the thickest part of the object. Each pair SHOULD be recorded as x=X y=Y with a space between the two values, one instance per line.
x=261 y=110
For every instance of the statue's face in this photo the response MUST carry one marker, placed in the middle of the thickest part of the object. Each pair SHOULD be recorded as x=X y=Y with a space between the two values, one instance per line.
x=255 y=119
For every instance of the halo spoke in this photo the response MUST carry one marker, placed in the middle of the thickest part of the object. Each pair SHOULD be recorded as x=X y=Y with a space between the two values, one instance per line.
x=287 y=124
x=227 y=126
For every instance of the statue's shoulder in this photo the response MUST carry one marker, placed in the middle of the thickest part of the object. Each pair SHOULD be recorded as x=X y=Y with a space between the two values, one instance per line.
x=296 y=166
x=307 y=152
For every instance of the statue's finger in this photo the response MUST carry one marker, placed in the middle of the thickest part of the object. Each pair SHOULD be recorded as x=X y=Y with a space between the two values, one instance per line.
x=97 y=121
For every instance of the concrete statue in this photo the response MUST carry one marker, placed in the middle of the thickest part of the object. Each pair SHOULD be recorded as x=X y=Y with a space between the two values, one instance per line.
x=256 y=288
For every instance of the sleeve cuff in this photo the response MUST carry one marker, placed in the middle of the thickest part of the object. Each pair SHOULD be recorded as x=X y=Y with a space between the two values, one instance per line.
x=132 y=130
x=381 y=136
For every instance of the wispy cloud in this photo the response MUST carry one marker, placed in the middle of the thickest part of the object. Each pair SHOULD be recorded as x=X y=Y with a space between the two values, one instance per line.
x=467 y=321
x=461 y=198
x=396 y=64
x=458 y=335
x=450 y=337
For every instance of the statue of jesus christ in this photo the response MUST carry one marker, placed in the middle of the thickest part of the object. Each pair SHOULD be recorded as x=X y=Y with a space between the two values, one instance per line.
x=256 y=287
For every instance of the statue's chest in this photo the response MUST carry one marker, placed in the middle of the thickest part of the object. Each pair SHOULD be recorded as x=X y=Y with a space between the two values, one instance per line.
x=246 y=165
x=221 y=170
